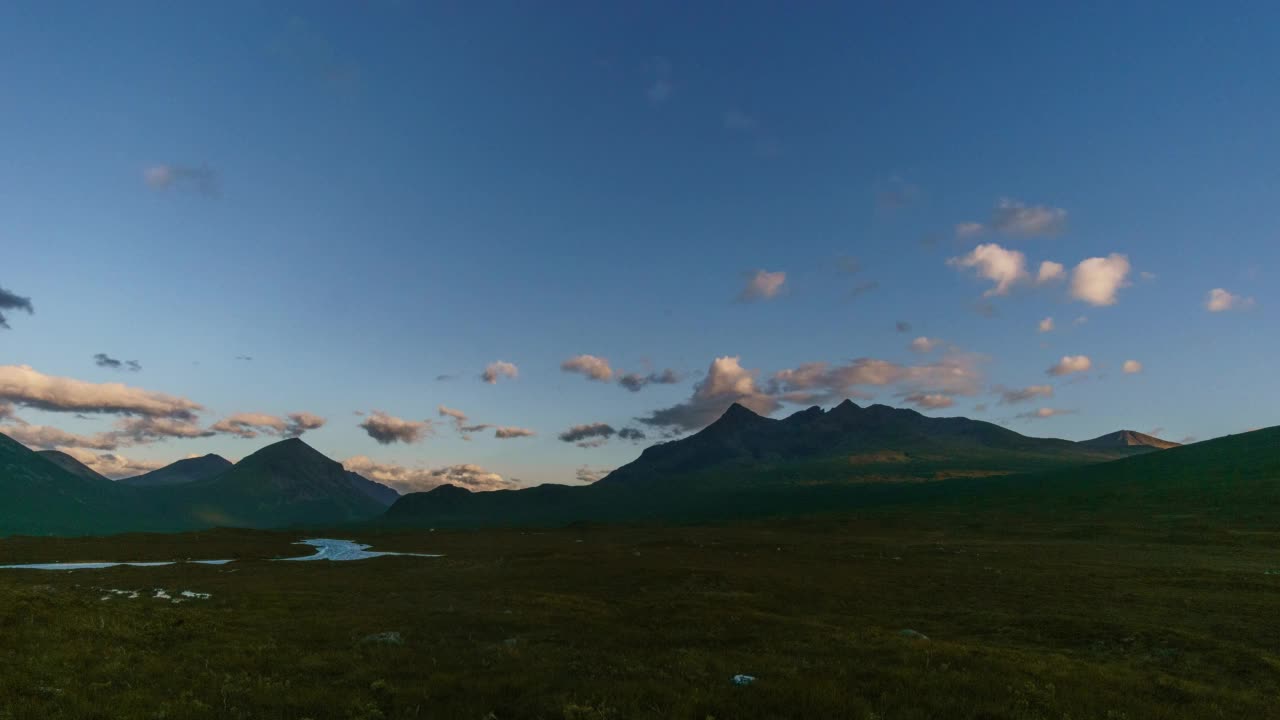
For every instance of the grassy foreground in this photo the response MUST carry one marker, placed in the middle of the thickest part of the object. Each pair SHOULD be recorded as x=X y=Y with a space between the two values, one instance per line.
x=1026 y=620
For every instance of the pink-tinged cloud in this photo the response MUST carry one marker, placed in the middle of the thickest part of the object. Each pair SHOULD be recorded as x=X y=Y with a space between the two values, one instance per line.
x=595 y=368
x=1219 y=300
x=1098 y=280
x=763 y=285
x=406 y=479
x=1071 y=364
x=23 y=385
x=387 y=429
x=499 y=369
x=1001 y=266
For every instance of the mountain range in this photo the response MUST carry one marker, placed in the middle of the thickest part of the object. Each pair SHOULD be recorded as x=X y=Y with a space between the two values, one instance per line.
x=743 y=464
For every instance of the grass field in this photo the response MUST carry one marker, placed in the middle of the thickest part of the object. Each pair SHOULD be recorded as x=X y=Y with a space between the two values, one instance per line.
x=1026 y=619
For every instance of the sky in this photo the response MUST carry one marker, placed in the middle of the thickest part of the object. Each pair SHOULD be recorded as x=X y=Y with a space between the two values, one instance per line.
x=504 y=244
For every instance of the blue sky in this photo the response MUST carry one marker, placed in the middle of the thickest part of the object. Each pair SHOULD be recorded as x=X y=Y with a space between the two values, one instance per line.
x=363 y=197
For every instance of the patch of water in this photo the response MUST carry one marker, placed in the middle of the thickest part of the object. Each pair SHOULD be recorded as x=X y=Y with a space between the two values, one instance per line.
x=344 y=551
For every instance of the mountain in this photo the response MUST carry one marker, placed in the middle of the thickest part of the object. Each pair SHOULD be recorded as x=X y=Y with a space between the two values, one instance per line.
x=1129 y=438
x=70 y=464
x=384 y=495
x=880 y=441
x=181 y=472
x=40 y=497
x=284 y=484
x=741 y=457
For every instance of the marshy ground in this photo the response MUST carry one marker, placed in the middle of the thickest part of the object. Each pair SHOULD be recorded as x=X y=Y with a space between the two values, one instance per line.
x=1026 y=621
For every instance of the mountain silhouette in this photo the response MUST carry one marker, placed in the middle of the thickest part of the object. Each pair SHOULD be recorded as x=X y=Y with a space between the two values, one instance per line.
x=181 y=472
x=70 y=464
x=1129 y=438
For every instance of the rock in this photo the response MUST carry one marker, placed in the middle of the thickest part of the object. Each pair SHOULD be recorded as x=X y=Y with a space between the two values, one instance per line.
x=913 y=634
x=384 y=638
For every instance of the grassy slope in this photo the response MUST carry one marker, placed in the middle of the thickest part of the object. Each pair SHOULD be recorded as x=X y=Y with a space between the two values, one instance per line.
x=1146 y=588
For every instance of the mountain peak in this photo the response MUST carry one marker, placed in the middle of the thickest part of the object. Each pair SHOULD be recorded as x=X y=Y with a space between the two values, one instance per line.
x=1129 y=438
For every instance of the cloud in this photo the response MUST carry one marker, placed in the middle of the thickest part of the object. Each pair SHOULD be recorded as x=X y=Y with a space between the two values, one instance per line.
x=498 y=369
x=726 y=382
x=1132 y=366
x=902 y=326
x=143 y=430
x=1049 y=272
x=1147 y=276
x=660 y=85
x=6 y=411
x=896 y=193
x=763 y=285
x=1013 y=397
x=43 y=437
x=956 y=374
x=588 y=435
x=507 y=433
x=1044 y=413
x=112 y=465
x=183 y=177
x=1046 y=325
x=967 y=230
x=632 y=434
x=929 y=401
x=1097 y=280
x=459 y=417
x=1220 y=300
x=246 y=358
x=1012 y=217
x=300 y=422
x=863 y=288
x=22 y=385
x=9 y=301
x=106 y=361
x=1003 y=267
x=1080 y=320
x=636 y=382
x=595 y=368
x=924 y=344
x=387 y=429
x=587 y=475
x=250 y=425
x=1071 y=364
x=407 y=479
x=738 y=121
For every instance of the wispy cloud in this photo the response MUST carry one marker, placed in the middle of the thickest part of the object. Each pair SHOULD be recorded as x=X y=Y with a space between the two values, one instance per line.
x=924 y=344
x=1132 y=367
x=250 y=425
x=1046 y=325
x=929 y=401
x=1044 y=413
x=588 y=435
x=635 y=382
x=1014 y=396
x=10 y=301
x=201 y=179
x=588 y=475
x=106 y=361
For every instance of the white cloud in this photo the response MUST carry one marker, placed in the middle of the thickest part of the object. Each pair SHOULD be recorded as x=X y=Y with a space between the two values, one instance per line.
x=1046 y=325
x=925 y=344
x=1220 y=300
x=387 y=429
x=1003 y=267
x=726 y=382
x=1050 y=271
x=22 y=385
x=498 y=369
x=1097 y=280
x=595 y=368
x=1071 y=364
x=1015 y=218
x=407 y=479
x=763 y=285
x=1132 y=366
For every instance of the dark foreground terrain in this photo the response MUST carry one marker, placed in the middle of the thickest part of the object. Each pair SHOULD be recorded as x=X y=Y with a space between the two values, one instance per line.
x=1026 y=618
